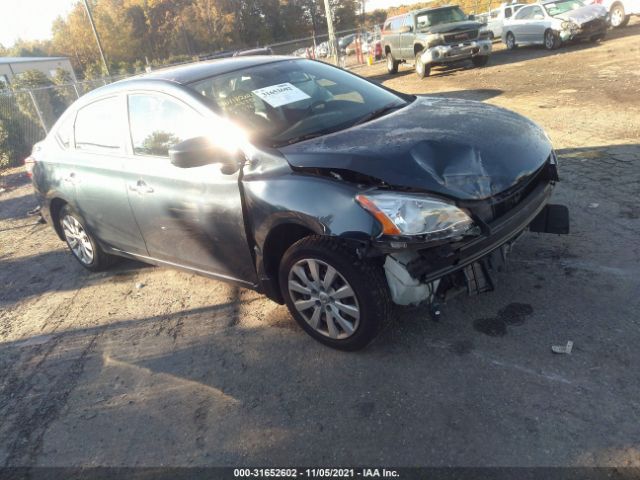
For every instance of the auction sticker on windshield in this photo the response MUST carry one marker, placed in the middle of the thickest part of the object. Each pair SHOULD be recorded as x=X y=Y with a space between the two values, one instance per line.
x=282 y=94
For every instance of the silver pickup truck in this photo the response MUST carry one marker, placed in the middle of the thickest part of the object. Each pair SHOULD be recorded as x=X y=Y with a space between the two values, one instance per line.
x=434 y=36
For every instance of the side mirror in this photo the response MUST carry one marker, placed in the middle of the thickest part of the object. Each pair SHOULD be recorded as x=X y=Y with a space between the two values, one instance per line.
x=472 y=17
x=199 y=151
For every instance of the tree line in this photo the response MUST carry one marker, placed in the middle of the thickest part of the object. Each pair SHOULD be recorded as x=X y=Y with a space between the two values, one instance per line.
x=137 y=32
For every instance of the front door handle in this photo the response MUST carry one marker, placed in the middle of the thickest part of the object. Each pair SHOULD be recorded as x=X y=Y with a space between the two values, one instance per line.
x=141 y=187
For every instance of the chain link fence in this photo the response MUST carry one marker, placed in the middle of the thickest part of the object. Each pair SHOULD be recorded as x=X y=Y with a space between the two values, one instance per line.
x=26 y=116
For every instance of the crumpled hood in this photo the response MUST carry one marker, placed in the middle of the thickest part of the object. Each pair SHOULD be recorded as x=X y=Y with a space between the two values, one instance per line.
x=458 y=148
x=584 y=14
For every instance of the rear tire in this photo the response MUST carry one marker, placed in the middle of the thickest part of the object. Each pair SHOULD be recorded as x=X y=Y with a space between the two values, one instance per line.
x=510 y=41
x=480 y=61
x=339 y=299
x=83 y=245
x=392 y=64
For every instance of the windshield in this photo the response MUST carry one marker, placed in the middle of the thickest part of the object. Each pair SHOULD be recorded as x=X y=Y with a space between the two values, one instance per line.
x=283 y=102
x=558 y=8
x=442 y=15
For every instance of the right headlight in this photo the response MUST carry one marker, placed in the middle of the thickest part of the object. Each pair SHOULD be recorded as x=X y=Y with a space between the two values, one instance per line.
x=407 y=214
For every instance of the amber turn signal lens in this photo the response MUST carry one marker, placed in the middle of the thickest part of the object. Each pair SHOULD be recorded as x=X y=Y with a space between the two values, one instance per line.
x=388 y=227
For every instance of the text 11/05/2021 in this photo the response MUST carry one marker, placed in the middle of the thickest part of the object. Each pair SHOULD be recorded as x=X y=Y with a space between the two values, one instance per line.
x=315 y=473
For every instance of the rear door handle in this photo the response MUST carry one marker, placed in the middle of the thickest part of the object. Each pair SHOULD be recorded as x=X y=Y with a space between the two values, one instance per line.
x=141 y=187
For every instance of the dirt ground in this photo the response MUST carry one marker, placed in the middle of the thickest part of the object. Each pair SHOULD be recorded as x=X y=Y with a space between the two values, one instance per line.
x=148 y=366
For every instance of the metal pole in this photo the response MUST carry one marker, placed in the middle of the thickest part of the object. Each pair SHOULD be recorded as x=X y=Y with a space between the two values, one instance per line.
x=333 y=44
x=95 y=32
x=35 y=105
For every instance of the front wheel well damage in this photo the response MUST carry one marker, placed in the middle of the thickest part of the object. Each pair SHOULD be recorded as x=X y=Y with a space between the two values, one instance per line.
x=55 y=207
x=276 y=244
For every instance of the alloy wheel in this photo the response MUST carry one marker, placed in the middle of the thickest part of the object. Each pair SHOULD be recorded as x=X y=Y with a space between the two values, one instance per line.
x=324 y=298
x=549 y=40
x=617 y=16
x=78 y=240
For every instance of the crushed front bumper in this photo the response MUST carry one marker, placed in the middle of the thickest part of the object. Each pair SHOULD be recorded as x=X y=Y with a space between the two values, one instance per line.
x=456 y=52
x=417 y=275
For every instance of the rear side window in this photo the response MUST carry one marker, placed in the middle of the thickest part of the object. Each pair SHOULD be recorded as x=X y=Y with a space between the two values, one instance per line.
x=158 y=122
x=524 y=13
x=97 y=126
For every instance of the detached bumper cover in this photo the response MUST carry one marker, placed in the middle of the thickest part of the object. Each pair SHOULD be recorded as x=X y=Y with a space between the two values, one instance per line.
x=454 y=53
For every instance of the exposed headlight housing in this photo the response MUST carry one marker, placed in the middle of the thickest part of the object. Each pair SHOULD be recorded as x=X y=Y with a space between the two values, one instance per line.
x=568 y=26
x=434 y=40
x=407 y=214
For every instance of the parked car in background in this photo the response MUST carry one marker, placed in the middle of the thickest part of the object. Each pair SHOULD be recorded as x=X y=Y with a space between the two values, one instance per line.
x=434 y=36
x=496 y=17
x=551 y=23
x=270 y=173
x=322 y=50
x=345 y=41
x=620 y=11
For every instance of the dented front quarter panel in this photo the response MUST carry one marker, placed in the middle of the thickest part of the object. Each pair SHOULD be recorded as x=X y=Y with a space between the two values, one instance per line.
x=459 y=149
x=275 y=194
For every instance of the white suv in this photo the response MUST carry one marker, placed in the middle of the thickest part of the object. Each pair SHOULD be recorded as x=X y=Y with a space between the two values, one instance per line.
x=620 y=10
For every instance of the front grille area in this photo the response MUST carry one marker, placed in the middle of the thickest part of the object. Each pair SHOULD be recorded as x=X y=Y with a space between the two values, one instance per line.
x=502 y=203
x=461 y=37
x=592 y=25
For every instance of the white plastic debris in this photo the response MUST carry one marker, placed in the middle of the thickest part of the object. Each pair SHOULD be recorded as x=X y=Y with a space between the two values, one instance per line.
x=560 y=349
x=139 y=285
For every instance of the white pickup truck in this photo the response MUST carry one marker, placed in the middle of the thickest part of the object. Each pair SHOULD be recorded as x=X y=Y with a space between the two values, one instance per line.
x=619 y=10
x=496 y=17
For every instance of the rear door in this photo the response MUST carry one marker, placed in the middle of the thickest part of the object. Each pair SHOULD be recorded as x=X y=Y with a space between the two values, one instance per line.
x=98 y=157
x=191 y=217
x=518 y=26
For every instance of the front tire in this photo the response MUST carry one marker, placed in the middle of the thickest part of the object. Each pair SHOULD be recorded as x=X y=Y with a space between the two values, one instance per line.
x=551 y=40
x=392 y=63
x=480 y=61
x=81 y=243
x=337 y=298
x=422 y=70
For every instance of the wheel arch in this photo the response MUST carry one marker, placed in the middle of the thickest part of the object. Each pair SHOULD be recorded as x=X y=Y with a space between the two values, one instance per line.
x=276 y=243
x=55 y=207
x=417 y=48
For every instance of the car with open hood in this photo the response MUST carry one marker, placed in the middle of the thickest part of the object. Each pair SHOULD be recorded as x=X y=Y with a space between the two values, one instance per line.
x=310 y=184
x=552 y=23
x=434 y=36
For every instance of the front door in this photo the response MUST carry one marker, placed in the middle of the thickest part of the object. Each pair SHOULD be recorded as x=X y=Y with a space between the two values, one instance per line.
x=191 y=217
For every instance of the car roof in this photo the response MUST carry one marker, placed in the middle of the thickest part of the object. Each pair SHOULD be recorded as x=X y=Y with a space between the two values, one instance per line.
x=185 y=74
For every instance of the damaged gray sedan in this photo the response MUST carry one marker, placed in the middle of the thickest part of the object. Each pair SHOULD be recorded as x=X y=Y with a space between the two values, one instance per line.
x=305 y=182
x=552 y=23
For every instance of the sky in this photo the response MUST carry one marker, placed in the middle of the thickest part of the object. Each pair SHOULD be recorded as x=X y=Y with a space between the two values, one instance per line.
x=32 y=19
x=29 y=19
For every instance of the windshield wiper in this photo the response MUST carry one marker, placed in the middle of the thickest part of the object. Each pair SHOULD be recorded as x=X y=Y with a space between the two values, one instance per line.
x=306 y=136
x=377 y=113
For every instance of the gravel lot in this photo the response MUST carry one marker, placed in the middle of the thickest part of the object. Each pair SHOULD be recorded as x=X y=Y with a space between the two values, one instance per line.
x=147 y=366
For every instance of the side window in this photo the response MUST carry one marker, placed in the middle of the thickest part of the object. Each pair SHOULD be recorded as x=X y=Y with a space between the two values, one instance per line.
x=536 y=11
x=387 y=26
x=507 y=13
x=64 y=134
x=157 y=123
x=97 y=126
x=524 y=13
